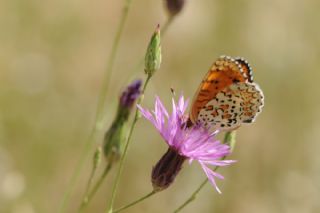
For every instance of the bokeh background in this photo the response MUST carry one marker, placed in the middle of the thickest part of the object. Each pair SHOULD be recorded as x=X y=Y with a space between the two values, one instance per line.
x=52 y=59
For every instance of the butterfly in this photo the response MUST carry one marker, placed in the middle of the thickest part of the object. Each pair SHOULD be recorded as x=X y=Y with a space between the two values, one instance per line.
x=227 y=96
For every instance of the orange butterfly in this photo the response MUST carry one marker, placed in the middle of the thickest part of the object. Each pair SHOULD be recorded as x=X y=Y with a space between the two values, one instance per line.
x=227 y=96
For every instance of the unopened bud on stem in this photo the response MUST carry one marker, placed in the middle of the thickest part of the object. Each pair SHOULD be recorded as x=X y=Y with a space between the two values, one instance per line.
x=174 y=6
x=97 y=157
x=114 y=135
x=153 y=54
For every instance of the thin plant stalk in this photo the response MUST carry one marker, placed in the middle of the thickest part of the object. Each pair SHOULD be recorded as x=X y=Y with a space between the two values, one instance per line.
x=122 y=159
x=89 y=196
x=193 y=196
x=99 y=118
x=135 y=202
x=75 y=176
x=95 y=164
x=85 y=197
x=227 y=140
x=166 y=25
x=195 y=193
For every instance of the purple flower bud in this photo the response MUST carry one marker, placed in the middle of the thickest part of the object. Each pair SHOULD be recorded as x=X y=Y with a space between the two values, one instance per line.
x=174 y=6
x=114 y=135
x=130 y=95
x=165 y=171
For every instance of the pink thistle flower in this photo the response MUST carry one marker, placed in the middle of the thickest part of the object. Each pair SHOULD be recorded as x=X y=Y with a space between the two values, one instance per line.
x=185 y=143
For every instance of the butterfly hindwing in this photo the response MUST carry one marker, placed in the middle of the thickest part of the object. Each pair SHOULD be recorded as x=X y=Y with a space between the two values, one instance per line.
x=239 y=103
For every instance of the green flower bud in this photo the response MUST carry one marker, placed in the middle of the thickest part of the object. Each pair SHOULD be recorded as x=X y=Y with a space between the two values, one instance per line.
x=153 y=54
x=112 y=140
x=97 y=157
x=115 y=134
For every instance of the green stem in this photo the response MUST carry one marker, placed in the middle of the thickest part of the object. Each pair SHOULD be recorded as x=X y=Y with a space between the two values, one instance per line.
x=135 y=202
x=110 y=63
x=71 y=185
x=100 y=108
x=85 y=197
x=119 y=172
x=166 y=25
x=229 y=137
x=192 y=197
x=89 y=196
x=195 y=193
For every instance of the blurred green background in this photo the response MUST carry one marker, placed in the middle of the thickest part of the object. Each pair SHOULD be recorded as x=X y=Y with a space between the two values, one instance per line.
x=52 y=59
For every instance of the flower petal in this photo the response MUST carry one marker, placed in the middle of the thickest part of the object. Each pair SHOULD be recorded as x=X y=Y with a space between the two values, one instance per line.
x=210 y=174
x=146 y=113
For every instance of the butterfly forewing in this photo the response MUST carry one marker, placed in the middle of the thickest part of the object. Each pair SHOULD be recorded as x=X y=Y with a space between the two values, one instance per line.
x=224 y=72
x=246 y=68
